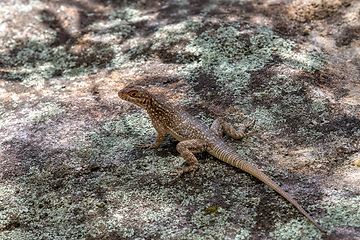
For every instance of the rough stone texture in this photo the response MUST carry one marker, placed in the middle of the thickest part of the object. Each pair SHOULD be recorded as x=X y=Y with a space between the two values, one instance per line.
x=69 y=168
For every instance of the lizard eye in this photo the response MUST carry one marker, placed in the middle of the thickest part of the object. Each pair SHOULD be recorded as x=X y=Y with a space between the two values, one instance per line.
x=133 y=93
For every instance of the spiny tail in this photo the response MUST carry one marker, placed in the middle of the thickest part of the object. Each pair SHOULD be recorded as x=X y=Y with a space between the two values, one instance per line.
x=233 y=159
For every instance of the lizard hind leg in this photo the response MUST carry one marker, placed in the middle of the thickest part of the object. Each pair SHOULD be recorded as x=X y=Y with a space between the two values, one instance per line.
x=187 y=148
x=220 y=126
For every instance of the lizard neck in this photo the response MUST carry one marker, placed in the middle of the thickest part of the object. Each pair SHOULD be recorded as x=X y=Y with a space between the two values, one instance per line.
x=160 y=110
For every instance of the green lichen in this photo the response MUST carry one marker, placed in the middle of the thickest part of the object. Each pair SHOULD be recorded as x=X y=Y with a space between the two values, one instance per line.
x=342 y=212
x=35 y=205
x=45 y=200
x=121 y=138
x=134 y=193
x=310 y=134
x=230 y=55
x=216 y=225
x=282 y=103
x=5 y=114
x=172 y=34
x=113 y=31
x=266 y=118
x=129 y=15
x=36 y=59
x=320 y=108
x=45 y=113
x=295 y=230
x=129 y=196
x=115 y=201
x=117 y=26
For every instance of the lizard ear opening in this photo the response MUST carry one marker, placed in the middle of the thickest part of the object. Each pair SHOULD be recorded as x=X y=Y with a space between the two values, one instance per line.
x=133 y=93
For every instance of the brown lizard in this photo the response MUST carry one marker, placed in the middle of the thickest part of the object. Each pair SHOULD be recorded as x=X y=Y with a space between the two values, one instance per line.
x=195 y=137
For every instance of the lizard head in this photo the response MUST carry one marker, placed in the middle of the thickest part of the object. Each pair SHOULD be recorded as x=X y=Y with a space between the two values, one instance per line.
x=136 y=95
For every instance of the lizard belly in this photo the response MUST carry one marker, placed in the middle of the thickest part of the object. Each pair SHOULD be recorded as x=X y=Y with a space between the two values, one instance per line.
x=176 y=135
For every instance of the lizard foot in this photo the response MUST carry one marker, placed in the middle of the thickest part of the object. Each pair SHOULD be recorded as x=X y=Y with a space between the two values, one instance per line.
x=145 y=145
x=183 y=170
x=153 y=144
x=178 y=174
x=142 y=145
x=247 y=126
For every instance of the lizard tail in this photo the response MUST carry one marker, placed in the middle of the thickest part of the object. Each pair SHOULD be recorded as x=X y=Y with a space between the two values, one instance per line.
x=234 y=159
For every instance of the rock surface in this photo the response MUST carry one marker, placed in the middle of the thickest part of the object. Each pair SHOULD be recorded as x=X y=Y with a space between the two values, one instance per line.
x=69 y=168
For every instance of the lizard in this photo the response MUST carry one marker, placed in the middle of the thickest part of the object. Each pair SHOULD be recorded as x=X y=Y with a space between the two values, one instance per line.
x=195 y=137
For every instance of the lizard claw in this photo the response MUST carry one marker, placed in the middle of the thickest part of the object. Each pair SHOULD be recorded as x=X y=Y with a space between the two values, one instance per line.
x=141 y=145
x=181 y=172
x=249 y=125
x=192 y=174
x=144 y=145
x=177 y=173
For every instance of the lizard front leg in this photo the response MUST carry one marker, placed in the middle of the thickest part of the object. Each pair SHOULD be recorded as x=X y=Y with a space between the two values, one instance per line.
x=161 y=132
x=220 y=126
x=187 y=148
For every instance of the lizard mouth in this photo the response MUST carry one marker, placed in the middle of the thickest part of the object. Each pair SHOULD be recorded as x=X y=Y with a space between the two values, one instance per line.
x=121 y=95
